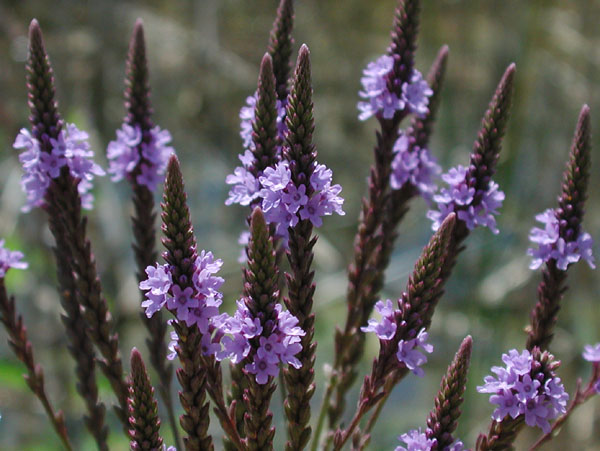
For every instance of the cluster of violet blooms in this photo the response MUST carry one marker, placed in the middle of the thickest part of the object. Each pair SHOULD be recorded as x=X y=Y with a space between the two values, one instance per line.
x=517 y=391
x=550 y=245
x=282 y=202
x=410 y=352
x=132 y=151
x=415 y=440
x=411 y=164
x=71 y=149
x=223 y=336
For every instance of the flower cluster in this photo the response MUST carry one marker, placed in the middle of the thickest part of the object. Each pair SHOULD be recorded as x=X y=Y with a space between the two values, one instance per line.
x=518 y=390
x=246 y=334
x=592 y=354
x=10 y=259
x=415 y=440
x=415 y=166
x=197 y=303
x=472 y=207
x=284 y=203
x=410 y=352
x=247 y=118
x=379 y=99
x=131 y=153
x=550 y=245
x=71 y=149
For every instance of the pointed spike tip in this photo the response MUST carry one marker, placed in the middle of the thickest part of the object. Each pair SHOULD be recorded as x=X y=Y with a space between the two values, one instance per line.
x=257 y=215
x=584 y=114
x=138 y=31
x=266 y=64
x=35 y=34
x=135 y=358
x=466 y=345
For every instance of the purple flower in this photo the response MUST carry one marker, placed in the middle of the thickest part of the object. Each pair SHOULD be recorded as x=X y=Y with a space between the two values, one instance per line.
x=71 y=149
x=172 y=346
x=508 y=404
x=473 y=208
x=262 y=368
x=412 y=357
x=10 y=259
x=518 y=391
x=245 y=187
x=131 y=152
x=415 y=166
x=591 y=353
x=551 y=246
x=526 y=388
x=159 y=279
x=247 y=117
x=379 y=100
x=280 y=346
x=416 y=440
x=208 y=345
x=536 y=414
x=416 y=94
x=385 y=329
x=181 y=301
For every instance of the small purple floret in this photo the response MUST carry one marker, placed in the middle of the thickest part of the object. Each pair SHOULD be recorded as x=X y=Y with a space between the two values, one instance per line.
x=415 y=166
x=552 y=246
x=10 y=259
x=416 y=440
x=591 y=353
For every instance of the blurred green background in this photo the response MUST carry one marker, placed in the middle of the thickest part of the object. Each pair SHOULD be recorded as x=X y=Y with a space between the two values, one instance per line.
x=204 y=57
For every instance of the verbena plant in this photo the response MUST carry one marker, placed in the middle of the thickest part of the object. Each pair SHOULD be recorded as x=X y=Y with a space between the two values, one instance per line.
x=269 y=339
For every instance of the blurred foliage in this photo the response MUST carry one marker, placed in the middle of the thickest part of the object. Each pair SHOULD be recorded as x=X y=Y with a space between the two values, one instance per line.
x=204 y=57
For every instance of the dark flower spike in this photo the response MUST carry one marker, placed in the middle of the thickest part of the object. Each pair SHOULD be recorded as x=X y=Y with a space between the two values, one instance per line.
x=540 y=370
x=404 y=42
x=264 y=125
x=23 y=349
x=405 y=325
x=261 y=297
x=180 y=243
x=280 y=46
x=143 y=408
x=367 y=239
x=566 y=222
x=300 y=153
x=139 y=114
x=477 y=177
x=443 y=419
x=77 y=273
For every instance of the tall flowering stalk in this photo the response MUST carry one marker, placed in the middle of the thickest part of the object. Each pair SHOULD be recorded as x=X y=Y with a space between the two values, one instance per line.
x=263 y=125
x=181 y=256
x=402 y=330
x=143 y=408
x=57 y=174
x=187 y=287
x=470 y=191
x=562 y=241
x=261 y=296
x=140 y=155
x=22 y=347
x=385 y=86
x=301 y=154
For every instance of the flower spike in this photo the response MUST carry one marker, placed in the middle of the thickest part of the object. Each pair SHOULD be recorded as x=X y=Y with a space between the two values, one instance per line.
x=562 y=241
